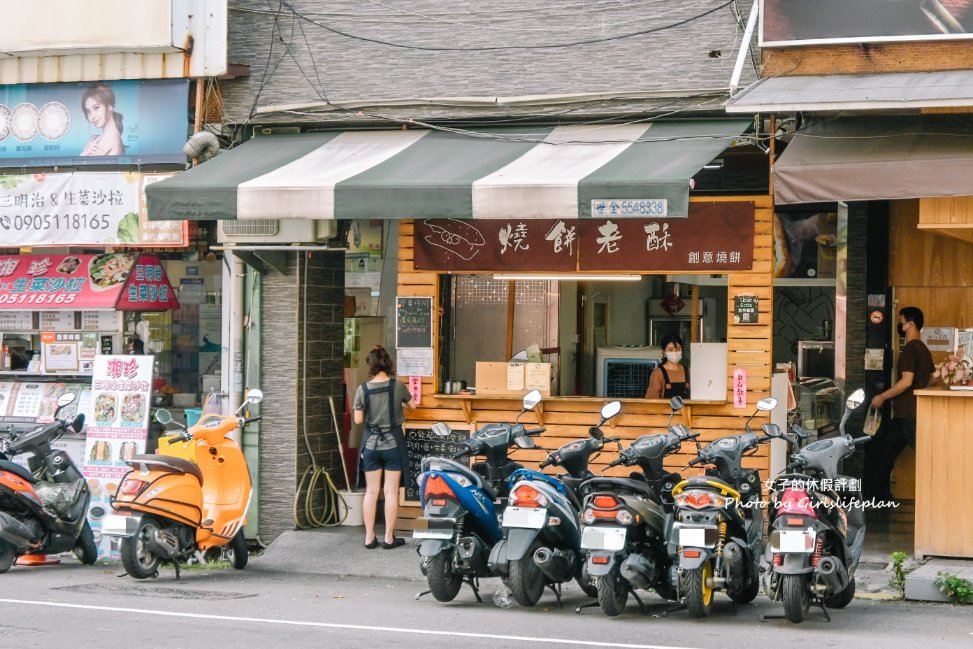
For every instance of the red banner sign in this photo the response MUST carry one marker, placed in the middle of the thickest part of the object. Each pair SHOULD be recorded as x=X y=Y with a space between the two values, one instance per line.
x=716 y=237
x=48 y=282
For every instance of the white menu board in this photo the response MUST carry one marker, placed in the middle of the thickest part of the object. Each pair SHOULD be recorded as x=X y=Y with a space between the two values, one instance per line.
x=16 y=321
x=29 y=398
x=99 y=320
x=57 y=320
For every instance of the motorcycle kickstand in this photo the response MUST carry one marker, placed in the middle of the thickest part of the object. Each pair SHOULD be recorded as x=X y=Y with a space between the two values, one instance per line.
x=593 y=604
x=638 y=599
x=473 y=583
x=556 y=589
x=425 y=592
x=678 y=606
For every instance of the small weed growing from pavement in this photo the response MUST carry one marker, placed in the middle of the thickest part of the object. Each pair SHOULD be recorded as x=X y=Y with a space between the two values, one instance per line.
x=897 y=580
x=956 y=588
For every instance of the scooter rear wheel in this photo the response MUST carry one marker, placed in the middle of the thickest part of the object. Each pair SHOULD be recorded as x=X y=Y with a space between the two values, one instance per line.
x=699 y=590
x=612 y=592
x=239 y=552
x=7 y=556
x=138 y=559
x=526 y=580
x=443 y=582
x=797 y=597
x=84 y=548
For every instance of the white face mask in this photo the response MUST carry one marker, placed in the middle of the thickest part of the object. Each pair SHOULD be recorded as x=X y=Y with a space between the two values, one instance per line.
x=674 y=357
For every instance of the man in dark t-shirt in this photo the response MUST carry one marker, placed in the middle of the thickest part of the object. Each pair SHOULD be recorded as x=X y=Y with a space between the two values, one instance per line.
x=914 y=371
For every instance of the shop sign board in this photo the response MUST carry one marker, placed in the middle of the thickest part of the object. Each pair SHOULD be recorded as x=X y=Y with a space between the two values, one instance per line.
x=125 y=122
x=125 y=281
x=121 y=390
x=746 y=309
x=715 y=238
x=73 y=209
x=421 y=442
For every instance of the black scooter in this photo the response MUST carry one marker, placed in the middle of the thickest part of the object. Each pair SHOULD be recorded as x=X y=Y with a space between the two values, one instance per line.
x=42 y=510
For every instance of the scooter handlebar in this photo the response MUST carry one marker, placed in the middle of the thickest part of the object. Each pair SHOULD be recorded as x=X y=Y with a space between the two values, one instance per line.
x=535 y=431
x=861 y=440
x=250 y=420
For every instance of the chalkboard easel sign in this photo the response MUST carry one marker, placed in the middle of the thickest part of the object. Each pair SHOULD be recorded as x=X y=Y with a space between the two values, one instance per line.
x=745 y=309
x=413 y=322
x=421 y=442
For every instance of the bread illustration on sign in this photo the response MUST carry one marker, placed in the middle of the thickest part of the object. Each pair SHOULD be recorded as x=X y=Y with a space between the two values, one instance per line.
x=455 y=237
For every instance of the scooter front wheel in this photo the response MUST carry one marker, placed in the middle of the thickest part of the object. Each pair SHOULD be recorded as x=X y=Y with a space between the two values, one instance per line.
x=7 y=556
x=443 y=582
x=239 y=552
x=137 y=557
x=699 y=589
x=797 y=597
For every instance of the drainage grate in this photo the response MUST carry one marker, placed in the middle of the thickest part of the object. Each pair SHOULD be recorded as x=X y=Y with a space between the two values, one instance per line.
x=872 y=565
x=146 y=591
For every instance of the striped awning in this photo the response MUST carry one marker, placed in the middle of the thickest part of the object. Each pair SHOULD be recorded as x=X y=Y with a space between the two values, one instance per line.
x=527 y=172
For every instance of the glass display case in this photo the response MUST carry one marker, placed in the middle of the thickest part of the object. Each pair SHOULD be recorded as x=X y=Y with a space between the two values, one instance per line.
x=820 y=404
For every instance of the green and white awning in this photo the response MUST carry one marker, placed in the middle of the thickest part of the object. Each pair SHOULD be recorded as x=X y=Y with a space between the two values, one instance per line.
x=527 y=172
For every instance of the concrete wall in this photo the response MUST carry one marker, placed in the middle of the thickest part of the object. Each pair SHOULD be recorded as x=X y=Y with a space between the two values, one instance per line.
x=289 y=411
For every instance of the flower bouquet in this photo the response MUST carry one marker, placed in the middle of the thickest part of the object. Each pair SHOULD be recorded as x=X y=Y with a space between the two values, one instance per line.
x=955 y=371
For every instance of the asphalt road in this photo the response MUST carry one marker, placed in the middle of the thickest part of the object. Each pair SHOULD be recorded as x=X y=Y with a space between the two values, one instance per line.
x=78 y=606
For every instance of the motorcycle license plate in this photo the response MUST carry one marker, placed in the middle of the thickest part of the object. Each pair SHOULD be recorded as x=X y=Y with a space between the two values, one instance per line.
x=528 y=517
x=434 y=528
x=793 y=541
x=603 y=538
x=115 y=525
x=697 y=537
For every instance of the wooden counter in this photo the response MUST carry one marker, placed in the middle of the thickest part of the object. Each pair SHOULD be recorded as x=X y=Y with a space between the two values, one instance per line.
x=944 y=473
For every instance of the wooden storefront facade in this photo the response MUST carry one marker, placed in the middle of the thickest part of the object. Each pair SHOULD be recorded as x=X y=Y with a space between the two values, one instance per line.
x=568 y=418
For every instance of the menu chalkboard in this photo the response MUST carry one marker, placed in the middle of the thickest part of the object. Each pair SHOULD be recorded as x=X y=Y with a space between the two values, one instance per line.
x=413 y=322
x=421 y=443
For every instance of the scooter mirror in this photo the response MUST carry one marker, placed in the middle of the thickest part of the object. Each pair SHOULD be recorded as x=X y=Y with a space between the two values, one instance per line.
x=610 y=409
x=163 y=416
x=442 y=430
x=771 y=430
x=676 y=403
x=855 y=399
x=78 y=424
x=767 y=403
x=524 y=441
x=65 y=399
x=531 y=399
x=255 y=396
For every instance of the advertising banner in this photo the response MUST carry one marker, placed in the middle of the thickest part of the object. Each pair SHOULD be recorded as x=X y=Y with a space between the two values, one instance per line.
x=96 y=123
x=66 y=281
x=98 y=209
x=121 y=390
x=800 y=22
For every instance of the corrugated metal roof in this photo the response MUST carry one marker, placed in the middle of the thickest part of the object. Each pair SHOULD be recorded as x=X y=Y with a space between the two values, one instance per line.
x=893 y=91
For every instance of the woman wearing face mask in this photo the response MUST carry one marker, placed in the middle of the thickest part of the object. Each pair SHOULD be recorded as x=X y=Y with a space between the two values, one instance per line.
x=669 y=379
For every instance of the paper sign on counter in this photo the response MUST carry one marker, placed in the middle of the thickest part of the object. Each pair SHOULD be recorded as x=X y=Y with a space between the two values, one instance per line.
x=414 y=361
x=538 y=377
x=515 y=377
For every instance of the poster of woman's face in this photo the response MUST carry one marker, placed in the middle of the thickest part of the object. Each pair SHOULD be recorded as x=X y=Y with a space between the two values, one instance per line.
x=72 y=123
x=803 y=22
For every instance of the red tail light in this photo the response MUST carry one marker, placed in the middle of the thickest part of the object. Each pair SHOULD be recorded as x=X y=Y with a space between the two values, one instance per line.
x=525 y=495
x=130 y=486
x=436 y=486
x=605 y=502
x=796 y=501
x=599 y=560
x=691 y=554
x=778 y=559
x=439 y=502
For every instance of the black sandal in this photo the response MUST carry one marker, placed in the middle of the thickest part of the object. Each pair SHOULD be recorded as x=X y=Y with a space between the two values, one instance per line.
x=396 y=543
x=373 y=544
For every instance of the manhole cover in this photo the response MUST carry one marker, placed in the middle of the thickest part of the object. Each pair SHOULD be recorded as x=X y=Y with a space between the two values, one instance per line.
x=872 y=565
x=149 y=591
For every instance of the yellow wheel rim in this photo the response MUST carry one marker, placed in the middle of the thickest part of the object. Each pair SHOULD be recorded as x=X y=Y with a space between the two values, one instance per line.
x=707 y=587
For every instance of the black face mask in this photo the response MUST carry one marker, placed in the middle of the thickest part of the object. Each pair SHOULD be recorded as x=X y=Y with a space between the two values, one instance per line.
x=901 y=331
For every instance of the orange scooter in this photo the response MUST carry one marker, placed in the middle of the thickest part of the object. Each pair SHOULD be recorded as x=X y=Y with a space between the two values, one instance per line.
x=188 y=498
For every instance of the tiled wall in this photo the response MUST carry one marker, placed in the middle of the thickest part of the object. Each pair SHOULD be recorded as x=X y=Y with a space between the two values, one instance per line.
x=288 y=413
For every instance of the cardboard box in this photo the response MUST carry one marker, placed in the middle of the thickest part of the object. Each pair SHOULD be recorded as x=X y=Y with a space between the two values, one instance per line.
x=513 y=379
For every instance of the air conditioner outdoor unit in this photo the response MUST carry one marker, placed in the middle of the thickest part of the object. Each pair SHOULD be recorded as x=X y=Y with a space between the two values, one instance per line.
x=282 y=231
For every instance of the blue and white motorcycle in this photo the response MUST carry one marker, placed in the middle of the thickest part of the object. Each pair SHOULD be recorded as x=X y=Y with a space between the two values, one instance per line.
x=459 y=523
x=541 y=523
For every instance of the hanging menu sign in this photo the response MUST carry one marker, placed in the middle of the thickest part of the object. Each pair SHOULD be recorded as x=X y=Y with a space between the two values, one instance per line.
x=16 y=321
x=413 y=322
x=57 y=320
x=99 y=320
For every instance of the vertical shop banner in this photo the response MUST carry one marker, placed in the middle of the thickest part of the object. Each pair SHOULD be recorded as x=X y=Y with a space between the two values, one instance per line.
x=101 y=122
x=83 y=208
x=739 y=388
x=121 y=391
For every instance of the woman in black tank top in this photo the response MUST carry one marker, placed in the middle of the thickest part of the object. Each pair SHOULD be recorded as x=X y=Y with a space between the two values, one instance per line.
x=670 y=379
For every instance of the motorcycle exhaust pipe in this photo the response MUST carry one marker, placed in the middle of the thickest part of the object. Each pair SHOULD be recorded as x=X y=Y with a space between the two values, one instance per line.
x=14 y=532
x=735 y=558
x=832 y=572
x=555 y=564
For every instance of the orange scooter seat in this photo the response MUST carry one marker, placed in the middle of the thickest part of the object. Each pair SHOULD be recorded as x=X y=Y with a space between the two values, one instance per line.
x=167 y=463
